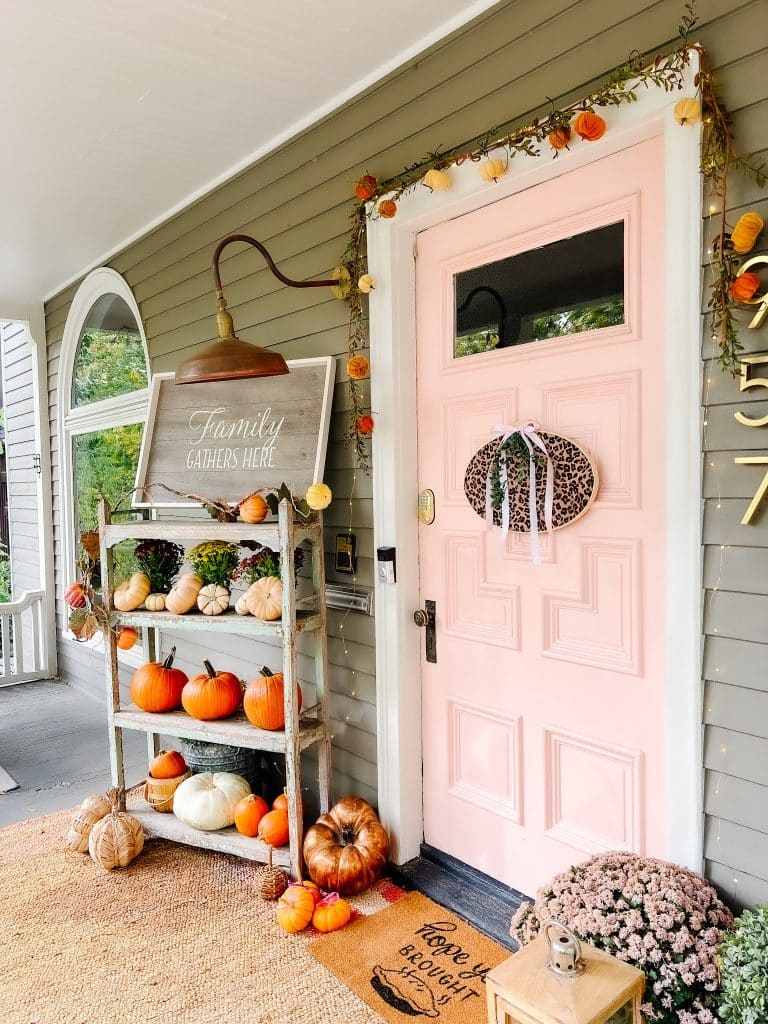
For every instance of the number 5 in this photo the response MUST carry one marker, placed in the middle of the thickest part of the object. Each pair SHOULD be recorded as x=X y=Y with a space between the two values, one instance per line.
x=746 y=382
x=754 y=460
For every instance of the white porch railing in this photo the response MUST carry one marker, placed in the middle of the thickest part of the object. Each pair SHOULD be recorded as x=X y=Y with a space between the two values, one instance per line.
x=22 y=639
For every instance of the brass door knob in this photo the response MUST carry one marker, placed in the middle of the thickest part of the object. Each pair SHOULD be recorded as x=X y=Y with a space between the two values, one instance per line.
x=420 y=617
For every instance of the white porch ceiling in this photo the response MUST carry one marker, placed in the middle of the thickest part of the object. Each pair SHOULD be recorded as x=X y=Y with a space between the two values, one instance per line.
x=115 y=114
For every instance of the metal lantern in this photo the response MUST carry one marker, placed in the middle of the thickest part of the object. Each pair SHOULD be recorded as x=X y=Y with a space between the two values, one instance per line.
x=556 y=979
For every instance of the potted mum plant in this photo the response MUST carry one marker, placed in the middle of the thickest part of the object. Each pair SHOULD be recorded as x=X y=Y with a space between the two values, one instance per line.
x=214 y=562
x=744 y=969
x=160 y=560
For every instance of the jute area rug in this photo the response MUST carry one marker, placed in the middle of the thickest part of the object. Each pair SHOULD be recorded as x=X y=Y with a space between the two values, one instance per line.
x=179 y=937
x=414 y=960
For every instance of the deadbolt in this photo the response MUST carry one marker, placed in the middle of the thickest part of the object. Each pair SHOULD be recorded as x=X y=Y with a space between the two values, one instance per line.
x=420 y=617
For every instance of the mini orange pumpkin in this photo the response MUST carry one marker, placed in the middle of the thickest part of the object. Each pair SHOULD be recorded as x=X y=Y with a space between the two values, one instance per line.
x=168 y=764
x=212 y=694
x=273 y=828
x=317 y=893
x=295 y=908
x=387 y=208
x=248 y=813
x=253 y=509
x=744 y=235
x=331 y=913
x=280 y=803
x=126 y=637
x=156 y=687
x=744 y=286
x=589 y=125
x=560 y=137
x=365 y=424
x=358 y=368
x=264 y=700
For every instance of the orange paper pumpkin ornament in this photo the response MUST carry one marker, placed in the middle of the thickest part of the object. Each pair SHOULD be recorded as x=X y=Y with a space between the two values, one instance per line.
x=365 y=187
x=387 y=208
x=589 y=126
x=358 y=368
x=744 y=286
x=560 y=137
x=365 y=424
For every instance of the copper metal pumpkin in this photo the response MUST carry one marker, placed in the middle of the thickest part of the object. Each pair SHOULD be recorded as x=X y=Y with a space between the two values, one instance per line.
x=346 y=850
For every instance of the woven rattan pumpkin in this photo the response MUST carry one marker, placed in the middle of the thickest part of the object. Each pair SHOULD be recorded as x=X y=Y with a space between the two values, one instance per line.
x=117 y=838
x=272 y=882
x=264 y=598
x=347 y=849
x=183 y=595
x=91 y=810
x=132 y=593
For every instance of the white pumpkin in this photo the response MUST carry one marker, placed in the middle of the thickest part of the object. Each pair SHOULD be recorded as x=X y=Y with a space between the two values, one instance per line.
x=207 y=801
x=241 y=605
x=213 y=599
x=155 y=602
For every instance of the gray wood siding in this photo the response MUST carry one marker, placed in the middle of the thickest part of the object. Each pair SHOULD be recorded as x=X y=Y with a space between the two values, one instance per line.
x=297 y=201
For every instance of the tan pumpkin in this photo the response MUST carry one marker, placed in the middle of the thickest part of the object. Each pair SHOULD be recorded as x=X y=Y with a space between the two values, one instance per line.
x=241 y=605
x=132 y=592
x=264 y=598
x=253 y=509
x=213 y=599
x=347 y=849
x=91 y=810
x=687 y=110
x=116 y=839
x=155 y=602
x=183 y=594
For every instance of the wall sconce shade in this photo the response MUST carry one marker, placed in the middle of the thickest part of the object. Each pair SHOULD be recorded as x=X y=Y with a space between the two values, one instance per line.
x=231 y=358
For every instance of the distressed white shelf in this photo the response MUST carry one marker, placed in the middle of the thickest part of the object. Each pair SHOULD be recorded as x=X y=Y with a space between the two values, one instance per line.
x=236 y=731
x=225 y=840
x=301 y=731
x=227 y=622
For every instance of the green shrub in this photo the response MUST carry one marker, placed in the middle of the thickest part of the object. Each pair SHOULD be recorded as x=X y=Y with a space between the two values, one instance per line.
x=5 y=574
x=744 y=970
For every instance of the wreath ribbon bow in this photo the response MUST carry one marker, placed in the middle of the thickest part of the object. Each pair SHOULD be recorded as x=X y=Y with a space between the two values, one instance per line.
x=530 y=437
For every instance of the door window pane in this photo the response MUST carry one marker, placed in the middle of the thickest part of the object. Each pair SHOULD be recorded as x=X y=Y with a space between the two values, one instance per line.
x=575 y=284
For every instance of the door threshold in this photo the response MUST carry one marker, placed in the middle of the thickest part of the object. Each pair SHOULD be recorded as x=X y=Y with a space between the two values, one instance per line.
x=478 y=899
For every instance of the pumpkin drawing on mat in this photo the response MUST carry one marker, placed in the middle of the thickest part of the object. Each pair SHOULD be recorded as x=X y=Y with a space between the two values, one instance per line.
x=264 y=701
x=347 y=848
x=212 y=694
x=295 y=908
x=156 y=687
x=208 y=801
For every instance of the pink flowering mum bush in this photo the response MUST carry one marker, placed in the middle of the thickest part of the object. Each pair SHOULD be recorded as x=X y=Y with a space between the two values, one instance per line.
x=661 y=918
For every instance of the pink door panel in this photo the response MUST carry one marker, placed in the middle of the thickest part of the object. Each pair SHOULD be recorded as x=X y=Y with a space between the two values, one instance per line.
x=544 y=717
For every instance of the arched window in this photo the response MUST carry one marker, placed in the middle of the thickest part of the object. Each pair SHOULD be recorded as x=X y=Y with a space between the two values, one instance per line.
x=103 y=394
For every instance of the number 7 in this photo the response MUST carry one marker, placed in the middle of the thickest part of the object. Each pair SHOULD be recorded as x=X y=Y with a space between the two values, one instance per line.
x=754 y=460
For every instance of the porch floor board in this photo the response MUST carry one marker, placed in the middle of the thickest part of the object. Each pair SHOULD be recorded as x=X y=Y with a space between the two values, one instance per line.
x=53 y=742
x=481 y=901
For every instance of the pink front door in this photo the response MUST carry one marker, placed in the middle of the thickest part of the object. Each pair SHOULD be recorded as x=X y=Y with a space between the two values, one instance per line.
x=544 y=731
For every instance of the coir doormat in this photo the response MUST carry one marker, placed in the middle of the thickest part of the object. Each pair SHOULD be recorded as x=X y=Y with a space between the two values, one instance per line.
x=414 y=960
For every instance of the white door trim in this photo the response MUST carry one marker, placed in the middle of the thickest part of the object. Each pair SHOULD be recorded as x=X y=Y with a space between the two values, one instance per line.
x=391 y=261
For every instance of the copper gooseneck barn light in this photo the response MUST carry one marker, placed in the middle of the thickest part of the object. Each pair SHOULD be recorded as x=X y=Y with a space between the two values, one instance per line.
x=231 y=358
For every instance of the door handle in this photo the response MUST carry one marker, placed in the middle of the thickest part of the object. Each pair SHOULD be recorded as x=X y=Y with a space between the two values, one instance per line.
x=425 y=617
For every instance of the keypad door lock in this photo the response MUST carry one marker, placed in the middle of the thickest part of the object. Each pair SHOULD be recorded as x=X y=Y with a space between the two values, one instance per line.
x=425 y=618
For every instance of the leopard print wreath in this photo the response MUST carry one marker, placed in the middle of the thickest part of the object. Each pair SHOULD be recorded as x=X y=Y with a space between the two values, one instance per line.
x=575 y=483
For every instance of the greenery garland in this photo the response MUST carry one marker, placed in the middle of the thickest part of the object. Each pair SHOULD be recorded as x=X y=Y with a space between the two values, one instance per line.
x=718 y=156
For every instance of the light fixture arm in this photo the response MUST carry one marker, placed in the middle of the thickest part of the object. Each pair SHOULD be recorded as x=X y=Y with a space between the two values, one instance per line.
x=269 y=261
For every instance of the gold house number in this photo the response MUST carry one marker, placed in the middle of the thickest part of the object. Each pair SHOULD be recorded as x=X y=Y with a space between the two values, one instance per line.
x=746 y=381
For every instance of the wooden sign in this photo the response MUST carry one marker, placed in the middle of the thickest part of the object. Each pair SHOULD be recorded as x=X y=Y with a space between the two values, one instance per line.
x=225 y=439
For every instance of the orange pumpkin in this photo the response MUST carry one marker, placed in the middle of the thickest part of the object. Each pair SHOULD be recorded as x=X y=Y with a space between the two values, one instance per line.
x=331 y=913
x=273 y=828
x=248 y=813
x=253 y=509
x=295 y=908
x=168 y=764
x=280 y=803
x=347 y=849
x=126 y=637
x=589 y=125
x=358 y=368
x=387 y=208
x=156 y=687
x=316 y=891
x=75 y=595
x=744 y=286
x=560 y=137
x=264 y=700
x=212 y=694
x=365 y=424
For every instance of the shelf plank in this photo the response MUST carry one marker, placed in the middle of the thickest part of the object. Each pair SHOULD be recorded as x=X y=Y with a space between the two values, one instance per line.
x=228 y=622
x=237 y=731
x=226 y=840
x=202 y=529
